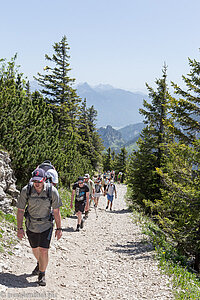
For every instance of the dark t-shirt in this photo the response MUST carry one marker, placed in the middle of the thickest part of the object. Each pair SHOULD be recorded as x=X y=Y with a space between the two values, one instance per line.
x=97 y=188
x=80 y=192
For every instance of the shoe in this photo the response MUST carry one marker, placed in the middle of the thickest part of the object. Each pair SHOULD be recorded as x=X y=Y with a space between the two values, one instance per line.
x=110 y=208
x=78 y=228
x=106 y=207
x=86 y=214
x=41 y=279
x=36 y=270
x=82 y=223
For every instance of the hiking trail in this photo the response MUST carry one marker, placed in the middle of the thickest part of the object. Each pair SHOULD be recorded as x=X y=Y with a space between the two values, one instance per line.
x=107 y=259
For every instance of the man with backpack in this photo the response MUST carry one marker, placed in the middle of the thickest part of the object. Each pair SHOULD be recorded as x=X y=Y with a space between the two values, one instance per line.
x=38 y=197
x=111 y=190
x=81 y=192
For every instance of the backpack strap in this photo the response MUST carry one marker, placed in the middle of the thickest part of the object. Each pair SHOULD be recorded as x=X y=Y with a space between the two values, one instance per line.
x=49 y=195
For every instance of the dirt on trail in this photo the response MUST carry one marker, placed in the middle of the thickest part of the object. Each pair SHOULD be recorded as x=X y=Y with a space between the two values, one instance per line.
x=107 y=259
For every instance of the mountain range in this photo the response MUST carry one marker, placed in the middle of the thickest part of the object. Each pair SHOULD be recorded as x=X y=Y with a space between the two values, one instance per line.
x=116 y=107
x=124 y=137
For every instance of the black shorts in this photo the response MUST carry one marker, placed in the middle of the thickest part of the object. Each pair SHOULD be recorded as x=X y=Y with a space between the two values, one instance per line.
x=40 y=239
x=80 y=206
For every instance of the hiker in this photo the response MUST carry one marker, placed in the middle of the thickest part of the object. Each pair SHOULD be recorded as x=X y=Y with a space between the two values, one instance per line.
x=98 y=190
x=39 y=198
x=91 y=186
x=112 y=175
x=111 y=190
x=105 y=183
x=119 y=177
x=50 y=171
x=81 y=191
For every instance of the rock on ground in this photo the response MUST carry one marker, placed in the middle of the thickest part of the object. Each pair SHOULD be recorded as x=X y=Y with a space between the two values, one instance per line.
x=107 y=259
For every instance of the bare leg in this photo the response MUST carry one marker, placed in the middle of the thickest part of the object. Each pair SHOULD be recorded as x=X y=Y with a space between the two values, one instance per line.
x=43 y=259
x=79 y=215
x=36 y=253
x=110 y=205
x=41 y=254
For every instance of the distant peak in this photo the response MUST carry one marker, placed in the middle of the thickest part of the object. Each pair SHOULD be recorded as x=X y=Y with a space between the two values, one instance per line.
x=103 y=87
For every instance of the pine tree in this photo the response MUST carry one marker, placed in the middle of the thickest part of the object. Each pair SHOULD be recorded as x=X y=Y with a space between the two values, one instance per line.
x=120 y=162
x=143 y=178
x=57 y=87
x=186 y=109
x=107 y=160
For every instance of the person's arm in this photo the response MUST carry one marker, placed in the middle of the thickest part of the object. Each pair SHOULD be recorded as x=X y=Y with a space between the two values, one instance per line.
x=72 y=198
x=87 y=201
x=20 y=230
x=57 y=218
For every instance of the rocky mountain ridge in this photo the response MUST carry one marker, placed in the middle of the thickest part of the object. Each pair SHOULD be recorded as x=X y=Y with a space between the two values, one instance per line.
x=124 y=137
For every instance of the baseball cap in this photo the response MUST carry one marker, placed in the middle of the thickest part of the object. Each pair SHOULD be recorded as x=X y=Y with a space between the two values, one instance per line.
x=38 y=174
x=81 y=178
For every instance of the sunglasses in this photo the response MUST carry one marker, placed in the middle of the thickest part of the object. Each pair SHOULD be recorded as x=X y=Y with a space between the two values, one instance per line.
x=37 y=181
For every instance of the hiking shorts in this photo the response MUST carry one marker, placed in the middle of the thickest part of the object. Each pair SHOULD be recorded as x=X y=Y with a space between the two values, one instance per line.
x=110 y=198
x=80 y=206
x=97 y=195
x=41 y=239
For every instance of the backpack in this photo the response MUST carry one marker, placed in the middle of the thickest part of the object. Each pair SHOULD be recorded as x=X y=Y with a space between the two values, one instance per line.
x=50 y=171
x=110 y=185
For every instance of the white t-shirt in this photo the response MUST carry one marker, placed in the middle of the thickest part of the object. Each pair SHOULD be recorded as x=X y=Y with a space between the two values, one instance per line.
x=111 y=189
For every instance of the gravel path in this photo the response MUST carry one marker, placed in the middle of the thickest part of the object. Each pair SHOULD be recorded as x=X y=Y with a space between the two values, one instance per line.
x=107 y=259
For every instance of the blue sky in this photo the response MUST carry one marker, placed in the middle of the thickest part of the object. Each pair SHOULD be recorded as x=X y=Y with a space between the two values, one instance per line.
x=123 y=43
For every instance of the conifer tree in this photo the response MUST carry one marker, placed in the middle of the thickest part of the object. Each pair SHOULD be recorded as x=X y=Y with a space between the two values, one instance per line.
x=107 y=160
x=186 y=109
x=120 y=161
x=57 y=87
x=143 y=179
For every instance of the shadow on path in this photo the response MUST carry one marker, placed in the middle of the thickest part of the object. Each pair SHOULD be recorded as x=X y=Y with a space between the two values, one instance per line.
x=122 y=211
x=68 y=229
x=16 y=281
x=132 y=249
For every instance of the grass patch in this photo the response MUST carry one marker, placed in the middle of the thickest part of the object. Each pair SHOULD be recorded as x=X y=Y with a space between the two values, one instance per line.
x=185 y=281
x=65 y=196
x=8 y=236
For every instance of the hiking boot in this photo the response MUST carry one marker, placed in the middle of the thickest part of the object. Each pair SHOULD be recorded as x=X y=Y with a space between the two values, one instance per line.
x=106 y=207
x=82 y=223
x=78 y=228
x=41 y=279
x=36 y=270
x=86 y=214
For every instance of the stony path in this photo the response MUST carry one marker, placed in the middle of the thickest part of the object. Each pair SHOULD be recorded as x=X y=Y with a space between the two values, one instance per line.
x=106 y=260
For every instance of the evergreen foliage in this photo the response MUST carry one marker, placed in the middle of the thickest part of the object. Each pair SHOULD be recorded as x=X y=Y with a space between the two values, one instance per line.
x=33 y=128
x=107 y=160
x=120 y=161
x=186 y=109
x=142 y=176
